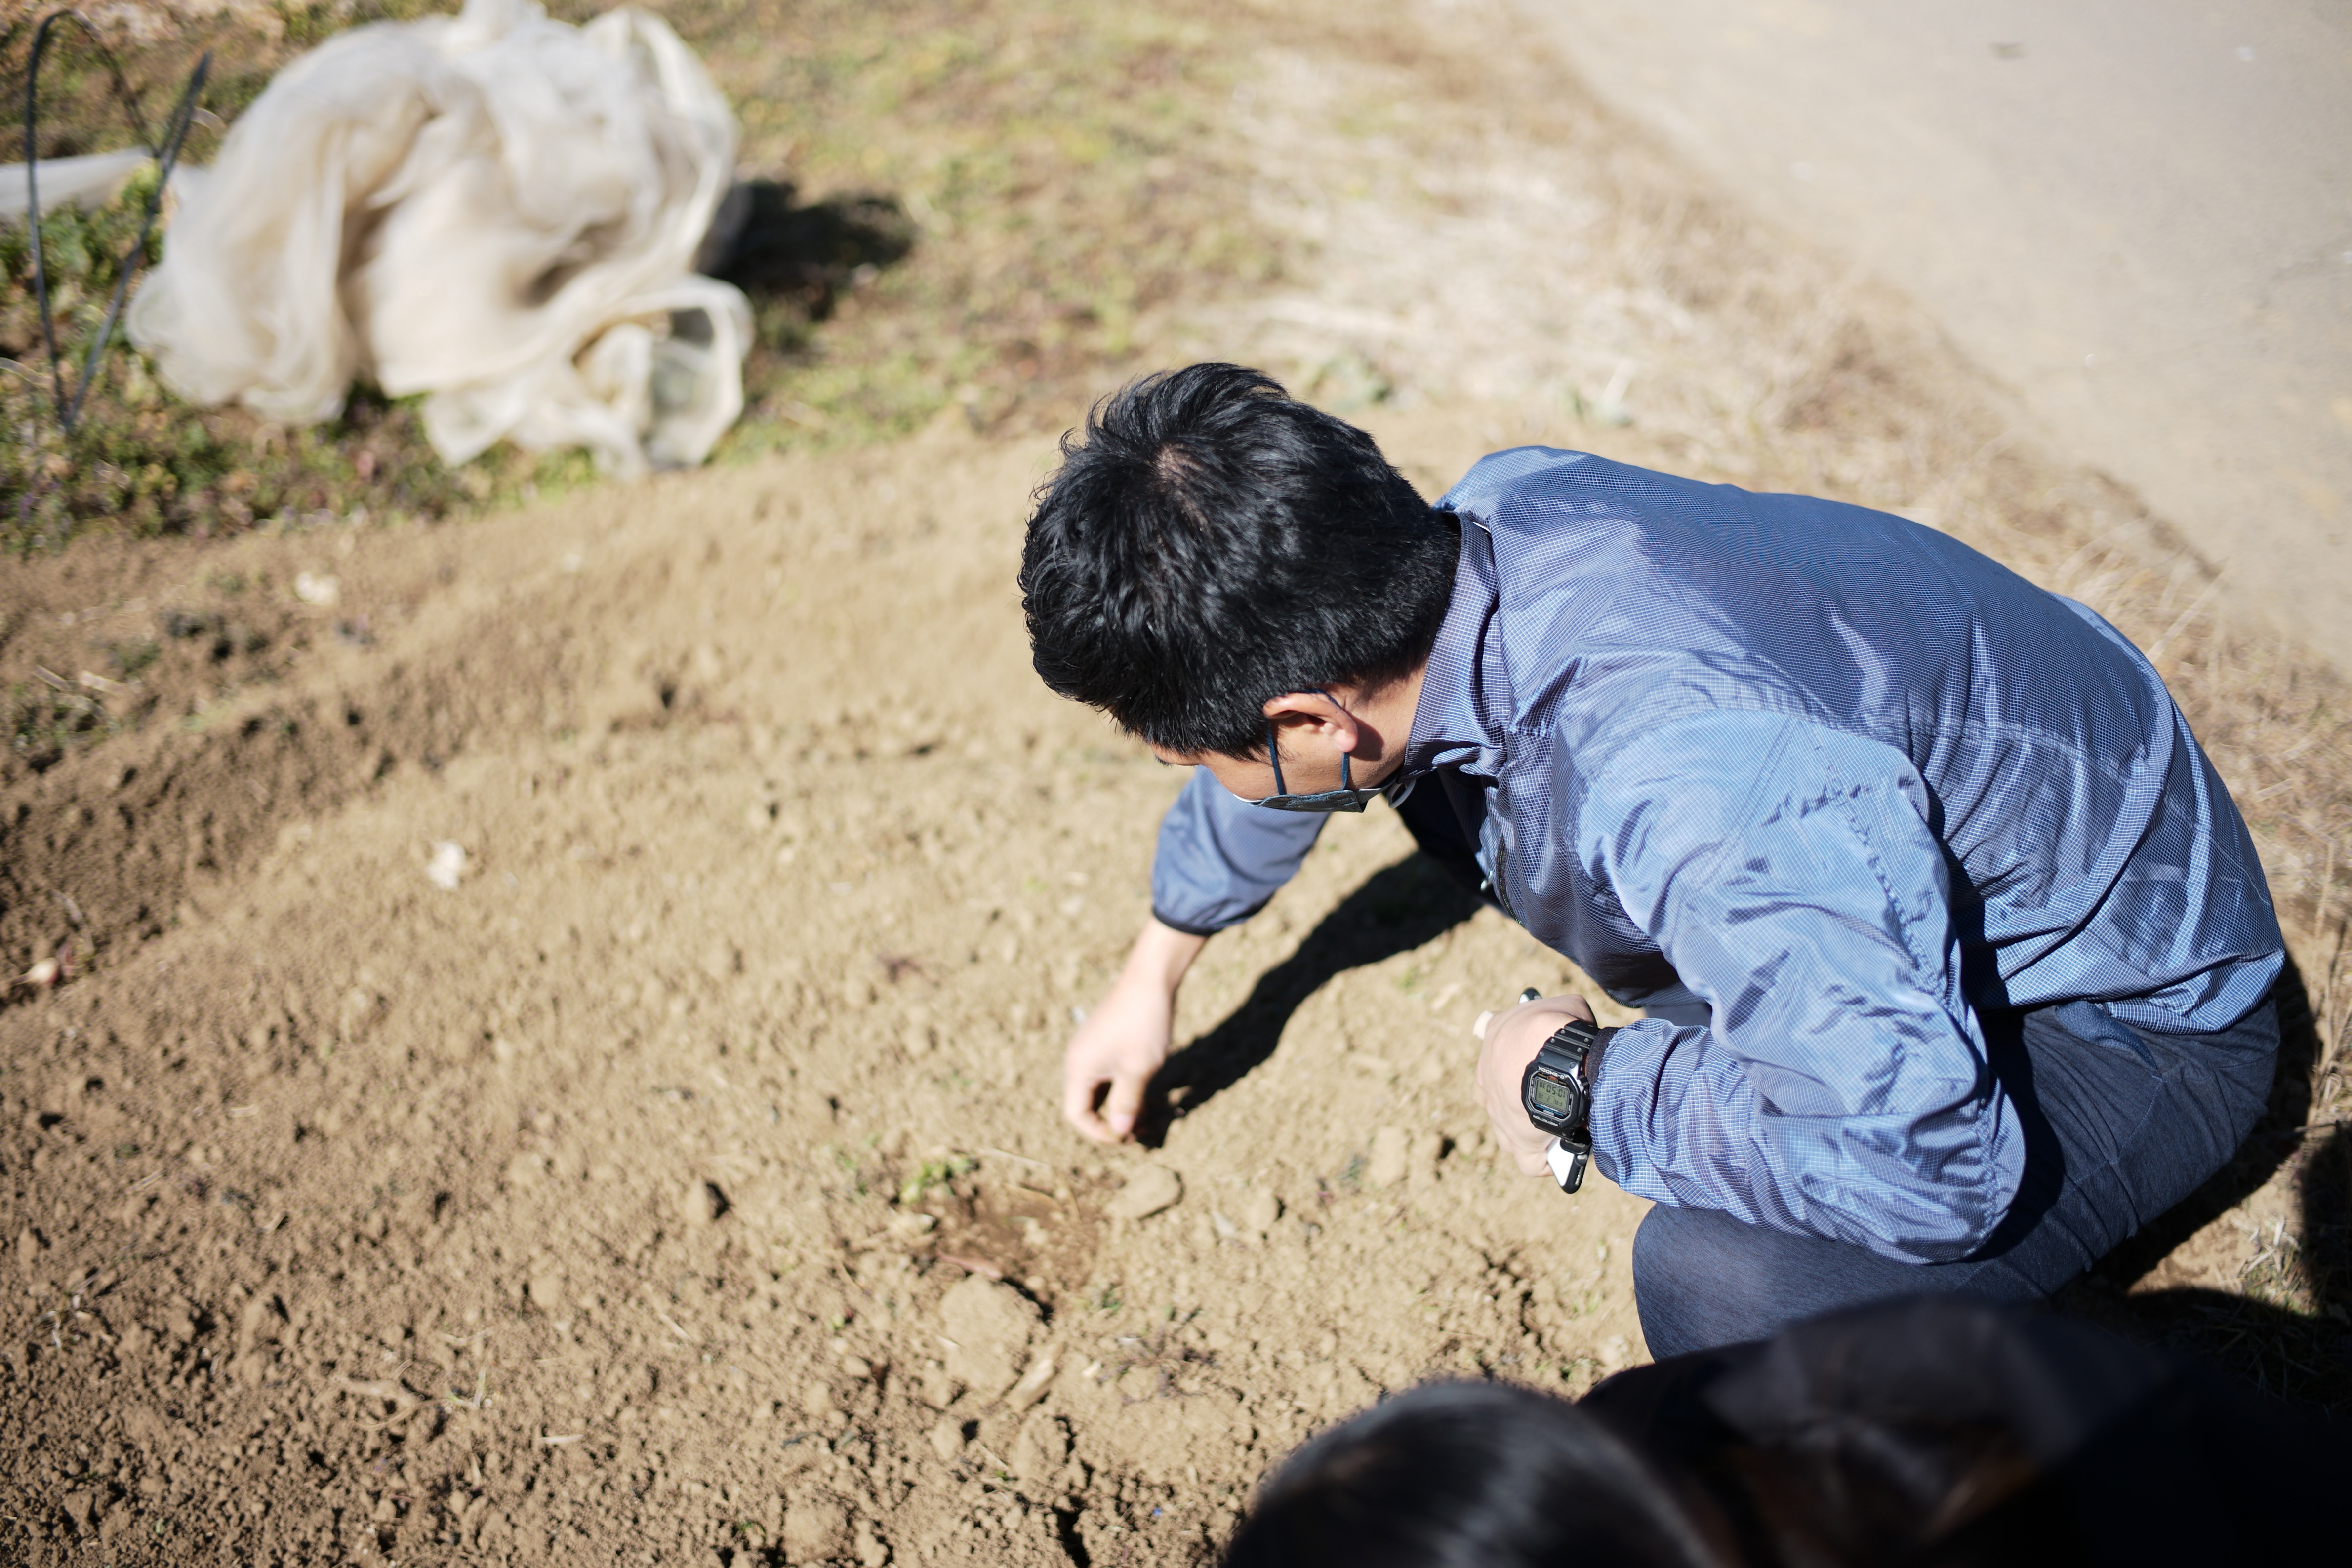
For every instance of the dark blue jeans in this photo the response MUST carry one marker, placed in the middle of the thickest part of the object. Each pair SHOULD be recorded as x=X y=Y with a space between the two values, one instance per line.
x=2120 y=1124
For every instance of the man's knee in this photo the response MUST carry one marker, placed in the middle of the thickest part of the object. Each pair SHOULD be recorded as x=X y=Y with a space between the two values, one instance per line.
x=1682 y=1260
x=1661 y=1255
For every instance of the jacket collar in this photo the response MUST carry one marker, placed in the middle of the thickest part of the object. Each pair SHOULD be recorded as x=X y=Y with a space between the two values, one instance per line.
x=1463 y=712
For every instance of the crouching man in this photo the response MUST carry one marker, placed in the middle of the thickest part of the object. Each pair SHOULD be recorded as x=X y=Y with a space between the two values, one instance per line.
x=1955 y=957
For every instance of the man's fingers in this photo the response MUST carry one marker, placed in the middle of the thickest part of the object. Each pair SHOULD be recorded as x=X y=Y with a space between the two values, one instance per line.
x=1124 y=1104
x=1122 y=1107
x=1079 y=1091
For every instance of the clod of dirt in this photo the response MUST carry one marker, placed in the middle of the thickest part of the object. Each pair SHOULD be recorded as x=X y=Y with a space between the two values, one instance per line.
x=1390 y=1153
x=1147 y=1192
x=258 y=1322
x=1420 y=1159
x=986 y=1326
x=816 y=1528
x=947 y=1438
x=871 y=1551
x=1041 y=1448
x=1261 y=1211
x=546 y=1290
x=29 y=1248
x=702 y=1202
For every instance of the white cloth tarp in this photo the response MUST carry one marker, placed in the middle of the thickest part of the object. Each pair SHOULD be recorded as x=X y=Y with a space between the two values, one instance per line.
x=88 y=181
x=494 y=209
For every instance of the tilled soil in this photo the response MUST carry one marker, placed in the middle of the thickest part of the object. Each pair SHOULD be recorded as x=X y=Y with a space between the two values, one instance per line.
x=685 y=1180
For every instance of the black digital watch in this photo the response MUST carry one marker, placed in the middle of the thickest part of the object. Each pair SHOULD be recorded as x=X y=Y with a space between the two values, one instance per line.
x=1557 y=1091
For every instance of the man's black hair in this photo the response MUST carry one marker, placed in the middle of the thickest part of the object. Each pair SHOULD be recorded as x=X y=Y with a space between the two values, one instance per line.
x=1468 y=1475
x=1209 y=544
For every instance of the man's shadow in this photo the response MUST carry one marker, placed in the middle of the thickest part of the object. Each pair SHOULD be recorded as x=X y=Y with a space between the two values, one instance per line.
x=2308 y=1357
x=1399 y=908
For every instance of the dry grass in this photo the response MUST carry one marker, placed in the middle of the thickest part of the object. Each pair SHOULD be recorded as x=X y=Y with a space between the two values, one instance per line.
x=1064 y=168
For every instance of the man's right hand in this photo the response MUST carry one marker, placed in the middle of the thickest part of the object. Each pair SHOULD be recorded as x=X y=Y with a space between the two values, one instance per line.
x=1126 y=1038
x=1508 y=1041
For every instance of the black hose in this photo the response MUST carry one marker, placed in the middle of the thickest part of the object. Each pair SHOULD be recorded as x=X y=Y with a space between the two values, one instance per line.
x=167 y=158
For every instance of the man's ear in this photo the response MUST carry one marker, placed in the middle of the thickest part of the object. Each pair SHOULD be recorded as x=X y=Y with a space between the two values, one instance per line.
x=1313 y=712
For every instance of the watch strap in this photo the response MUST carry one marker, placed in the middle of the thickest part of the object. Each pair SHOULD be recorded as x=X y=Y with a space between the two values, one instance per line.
x=1586 y=1040
x=1601 y=1039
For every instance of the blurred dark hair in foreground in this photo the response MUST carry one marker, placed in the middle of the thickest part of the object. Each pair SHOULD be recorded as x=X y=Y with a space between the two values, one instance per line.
x=1921 y=1432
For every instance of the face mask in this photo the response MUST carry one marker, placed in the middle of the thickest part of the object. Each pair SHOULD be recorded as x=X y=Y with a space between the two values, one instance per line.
x=1346 y=798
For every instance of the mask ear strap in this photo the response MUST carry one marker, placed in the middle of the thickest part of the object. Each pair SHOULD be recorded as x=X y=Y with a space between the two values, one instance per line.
x=1275 y=756
x=1347 y=776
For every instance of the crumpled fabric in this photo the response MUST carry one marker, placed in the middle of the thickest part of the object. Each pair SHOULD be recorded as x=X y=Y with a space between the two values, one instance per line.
x=496 y=210
x=91 y=180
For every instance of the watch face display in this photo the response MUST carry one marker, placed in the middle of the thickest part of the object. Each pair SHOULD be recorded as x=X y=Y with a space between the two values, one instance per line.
x=1549 y=1095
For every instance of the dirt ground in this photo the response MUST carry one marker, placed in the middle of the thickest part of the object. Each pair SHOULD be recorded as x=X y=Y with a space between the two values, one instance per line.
x=615 y=1188
x=556 y=1054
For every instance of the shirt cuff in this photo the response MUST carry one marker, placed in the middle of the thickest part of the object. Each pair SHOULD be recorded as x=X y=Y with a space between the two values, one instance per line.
x=1192 y=928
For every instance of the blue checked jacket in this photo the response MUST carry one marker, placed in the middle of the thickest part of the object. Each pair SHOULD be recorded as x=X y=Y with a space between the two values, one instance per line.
x=1840 y=779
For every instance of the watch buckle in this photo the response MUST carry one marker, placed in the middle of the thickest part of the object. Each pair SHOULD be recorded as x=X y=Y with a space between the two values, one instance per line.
x=1566 y=1162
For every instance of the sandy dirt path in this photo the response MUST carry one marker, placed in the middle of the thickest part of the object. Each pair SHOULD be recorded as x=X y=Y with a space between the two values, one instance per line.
x=2136 y=215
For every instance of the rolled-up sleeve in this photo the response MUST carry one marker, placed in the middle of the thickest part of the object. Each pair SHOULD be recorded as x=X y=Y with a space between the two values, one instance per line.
x=1789 y=872
x=1220 y=858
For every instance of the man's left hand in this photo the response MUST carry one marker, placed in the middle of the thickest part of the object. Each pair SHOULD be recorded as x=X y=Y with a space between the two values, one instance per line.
x=1509 y=1040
